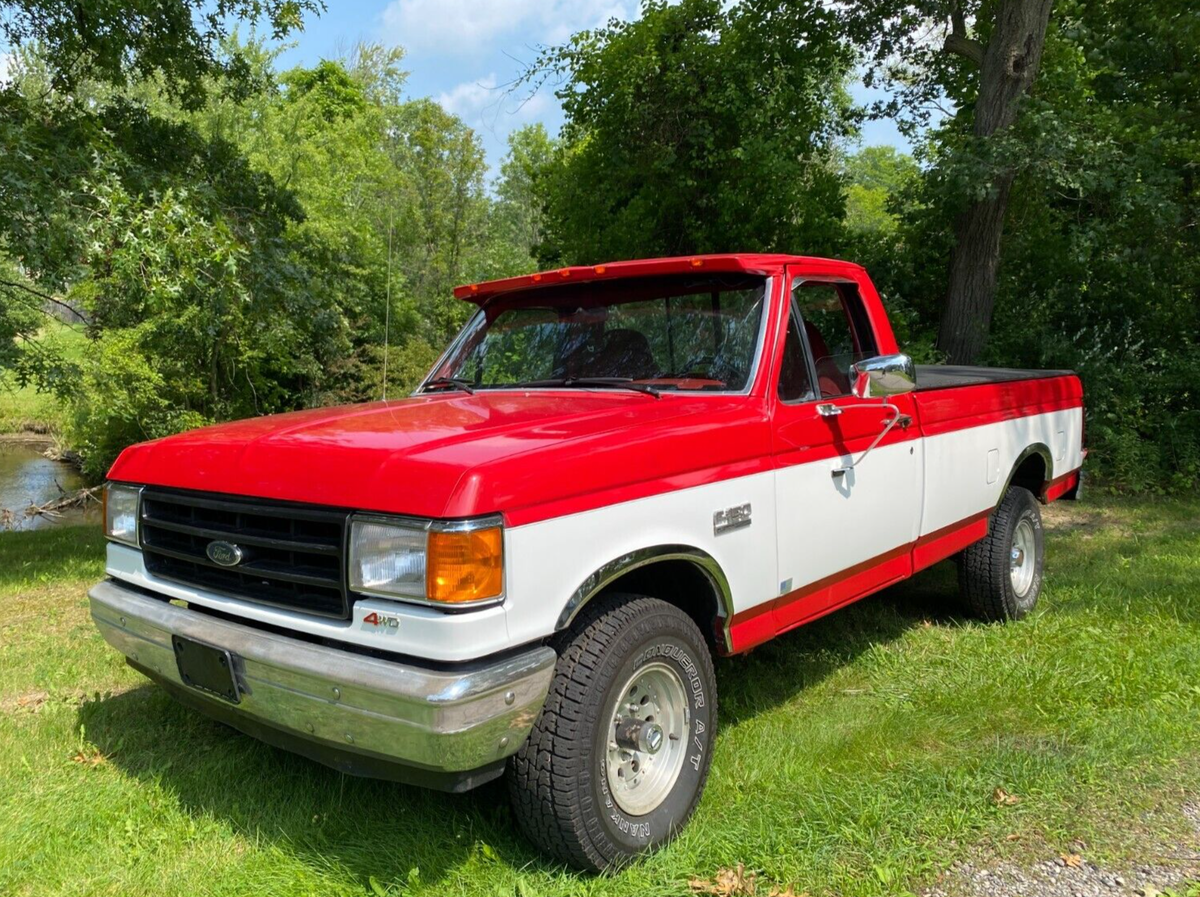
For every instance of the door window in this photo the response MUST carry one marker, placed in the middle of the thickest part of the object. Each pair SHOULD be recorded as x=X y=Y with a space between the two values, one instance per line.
x=838 y=333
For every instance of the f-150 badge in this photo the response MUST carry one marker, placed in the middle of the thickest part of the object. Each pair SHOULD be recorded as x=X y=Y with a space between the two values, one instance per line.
x=731 y=519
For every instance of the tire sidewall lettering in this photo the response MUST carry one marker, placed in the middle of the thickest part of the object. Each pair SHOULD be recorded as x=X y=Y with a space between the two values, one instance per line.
x=669 y=651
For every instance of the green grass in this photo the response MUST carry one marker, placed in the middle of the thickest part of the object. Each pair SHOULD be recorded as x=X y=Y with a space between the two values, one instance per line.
x=857 y=755
x=24 y=408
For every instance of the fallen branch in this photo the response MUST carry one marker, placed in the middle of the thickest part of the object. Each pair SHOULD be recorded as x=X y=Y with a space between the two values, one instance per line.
x=68 y=502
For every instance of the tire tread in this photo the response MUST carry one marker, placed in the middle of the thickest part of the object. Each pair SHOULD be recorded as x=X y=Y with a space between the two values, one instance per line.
x=983 y=568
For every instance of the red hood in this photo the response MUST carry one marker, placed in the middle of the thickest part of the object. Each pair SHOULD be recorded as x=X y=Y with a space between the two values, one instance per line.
x=458 y=455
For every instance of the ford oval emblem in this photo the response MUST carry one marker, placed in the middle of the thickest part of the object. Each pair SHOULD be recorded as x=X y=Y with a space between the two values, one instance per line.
x=225 y=553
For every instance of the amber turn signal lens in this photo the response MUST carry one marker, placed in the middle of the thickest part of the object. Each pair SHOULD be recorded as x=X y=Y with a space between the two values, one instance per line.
x=463 y=567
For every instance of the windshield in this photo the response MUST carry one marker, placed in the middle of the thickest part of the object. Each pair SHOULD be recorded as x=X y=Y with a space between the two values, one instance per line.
x=668 y=333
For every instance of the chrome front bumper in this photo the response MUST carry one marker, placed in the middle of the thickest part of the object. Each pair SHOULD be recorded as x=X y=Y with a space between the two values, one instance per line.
x=449 y=729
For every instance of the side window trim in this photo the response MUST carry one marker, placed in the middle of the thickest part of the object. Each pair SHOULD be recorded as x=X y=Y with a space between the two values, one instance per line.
x=805 y=350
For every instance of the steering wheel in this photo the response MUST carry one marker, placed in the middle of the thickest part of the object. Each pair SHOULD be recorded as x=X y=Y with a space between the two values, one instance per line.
x=710 y=367
x=699 y=365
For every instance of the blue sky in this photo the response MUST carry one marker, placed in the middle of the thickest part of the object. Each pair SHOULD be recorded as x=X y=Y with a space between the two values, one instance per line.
x=463 y=53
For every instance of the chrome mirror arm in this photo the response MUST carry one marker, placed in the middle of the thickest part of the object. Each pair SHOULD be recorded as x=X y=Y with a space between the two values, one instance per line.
x=881 y=377
x=888 y=424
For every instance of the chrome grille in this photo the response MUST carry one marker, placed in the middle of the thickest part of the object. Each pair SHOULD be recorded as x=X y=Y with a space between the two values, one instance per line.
x=293 y=554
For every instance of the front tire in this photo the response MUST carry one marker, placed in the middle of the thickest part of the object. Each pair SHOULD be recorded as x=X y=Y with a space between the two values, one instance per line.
x=1000 y=576
x=618 y=757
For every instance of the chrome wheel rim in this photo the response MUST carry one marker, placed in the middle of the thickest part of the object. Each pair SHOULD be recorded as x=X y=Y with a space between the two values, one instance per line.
x=1023 y=561
x=647 y=738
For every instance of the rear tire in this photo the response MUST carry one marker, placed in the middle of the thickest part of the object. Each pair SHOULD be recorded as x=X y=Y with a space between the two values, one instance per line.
x=638 y=667
x=1000 y=576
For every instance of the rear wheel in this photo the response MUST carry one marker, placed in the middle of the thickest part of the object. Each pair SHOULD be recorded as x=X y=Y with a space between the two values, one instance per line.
x=1000 y=576
x=618 y=757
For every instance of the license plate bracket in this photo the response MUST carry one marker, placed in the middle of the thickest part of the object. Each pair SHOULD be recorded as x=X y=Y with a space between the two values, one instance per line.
x=206 y=668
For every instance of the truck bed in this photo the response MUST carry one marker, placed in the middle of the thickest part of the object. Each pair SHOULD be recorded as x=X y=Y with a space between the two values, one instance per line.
x=948 y=376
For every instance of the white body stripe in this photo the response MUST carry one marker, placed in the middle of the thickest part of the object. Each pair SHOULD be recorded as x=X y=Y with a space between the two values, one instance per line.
x=958 y=484
x=805 y=525
x=828 y=523
x=551 y=559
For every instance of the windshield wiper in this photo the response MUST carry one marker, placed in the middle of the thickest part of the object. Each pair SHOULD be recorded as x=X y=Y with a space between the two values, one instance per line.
x=452 y=382
x=611 y=382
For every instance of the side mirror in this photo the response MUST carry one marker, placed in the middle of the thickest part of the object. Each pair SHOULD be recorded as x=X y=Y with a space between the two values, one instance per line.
x=882 y=376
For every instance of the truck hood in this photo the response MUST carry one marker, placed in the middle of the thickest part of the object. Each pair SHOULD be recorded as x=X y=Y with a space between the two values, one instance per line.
x=526 y=454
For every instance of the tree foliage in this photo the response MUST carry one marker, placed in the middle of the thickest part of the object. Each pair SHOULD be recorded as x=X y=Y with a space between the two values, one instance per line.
x=118 y=42
x=1099 y=267
x=1103 y=262
x=699 y=127
x=239 y=241
x=242 y=240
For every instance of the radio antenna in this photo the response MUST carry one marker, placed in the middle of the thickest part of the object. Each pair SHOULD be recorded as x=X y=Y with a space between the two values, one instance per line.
x=387 y=311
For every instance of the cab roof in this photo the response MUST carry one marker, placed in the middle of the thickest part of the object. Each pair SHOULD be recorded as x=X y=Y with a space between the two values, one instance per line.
x=750 y=263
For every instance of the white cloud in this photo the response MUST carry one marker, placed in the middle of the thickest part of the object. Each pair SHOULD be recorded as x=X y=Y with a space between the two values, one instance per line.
x=458 y=27
x=454 y=42
x=491 y=107
x=471 y=98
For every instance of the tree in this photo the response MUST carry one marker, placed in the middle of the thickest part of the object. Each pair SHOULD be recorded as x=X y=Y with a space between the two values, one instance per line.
x=119 y=42
x=519 y=216
x=59 y=120
x=875 y=175
x=988 y=58
x=1102 y=263
x=700 y=127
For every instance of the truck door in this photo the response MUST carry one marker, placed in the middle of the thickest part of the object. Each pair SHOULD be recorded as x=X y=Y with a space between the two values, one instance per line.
x=843 y=530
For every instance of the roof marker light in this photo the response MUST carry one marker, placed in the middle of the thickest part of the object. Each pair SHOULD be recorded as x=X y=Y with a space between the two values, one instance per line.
x=565 y=272
x=536 y=278
x=599 y=269
x=697 y=263
x=474 y=288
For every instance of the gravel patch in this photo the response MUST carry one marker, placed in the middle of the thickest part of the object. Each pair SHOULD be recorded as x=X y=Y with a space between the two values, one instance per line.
x=1073 y=874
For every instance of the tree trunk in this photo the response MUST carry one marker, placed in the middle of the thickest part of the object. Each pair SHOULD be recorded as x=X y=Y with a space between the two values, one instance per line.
x=1008 y=66
x=967 y=314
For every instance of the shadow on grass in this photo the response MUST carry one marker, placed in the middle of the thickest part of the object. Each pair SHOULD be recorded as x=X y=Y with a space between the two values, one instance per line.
x=364 y=828
x=801 y=659
x=382 y=830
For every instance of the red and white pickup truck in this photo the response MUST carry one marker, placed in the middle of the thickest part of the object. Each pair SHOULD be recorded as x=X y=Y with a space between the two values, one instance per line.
x=613 y=473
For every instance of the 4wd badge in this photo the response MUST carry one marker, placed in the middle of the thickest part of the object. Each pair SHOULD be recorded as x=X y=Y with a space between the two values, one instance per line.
x=382 y=621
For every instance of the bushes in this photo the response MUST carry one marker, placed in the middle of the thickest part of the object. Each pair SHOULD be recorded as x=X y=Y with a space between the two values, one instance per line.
x=121 y=399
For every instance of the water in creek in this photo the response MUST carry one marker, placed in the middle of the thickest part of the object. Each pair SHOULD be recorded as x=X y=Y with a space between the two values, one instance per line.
x=27 y=477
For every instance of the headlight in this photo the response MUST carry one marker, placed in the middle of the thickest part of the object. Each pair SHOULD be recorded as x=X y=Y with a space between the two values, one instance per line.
x=121 y=504
x=458 y=564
